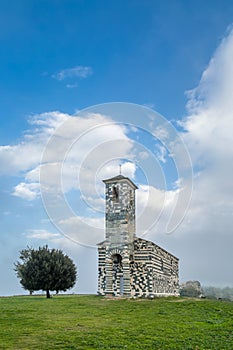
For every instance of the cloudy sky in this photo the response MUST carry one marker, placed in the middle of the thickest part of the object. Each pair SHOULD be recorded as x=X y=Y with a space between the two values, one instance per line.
x=88 y=85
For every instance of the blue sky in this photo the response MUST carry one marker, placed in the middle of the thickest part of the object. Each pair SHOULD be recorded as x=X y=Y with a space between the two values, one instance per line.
x=60 y=57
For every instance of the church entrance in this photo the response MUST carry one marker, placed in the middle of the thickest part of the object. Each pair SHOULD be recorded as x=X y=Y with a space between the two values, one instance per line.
x=117 y=275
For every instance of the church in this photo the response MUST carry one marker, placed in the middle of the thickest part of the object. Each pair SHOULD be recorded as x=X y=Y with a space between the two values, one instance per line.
x=129 y=266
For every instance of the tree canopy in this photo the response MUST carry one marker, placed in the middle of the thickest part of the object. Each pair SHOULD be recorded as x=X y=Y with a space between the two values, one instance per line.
x=45 y=269
x=191 y=289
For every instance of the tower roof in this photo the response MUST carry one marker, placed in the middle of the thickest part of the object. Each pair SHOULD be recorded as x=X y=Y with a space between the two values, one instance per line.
x=120 y=178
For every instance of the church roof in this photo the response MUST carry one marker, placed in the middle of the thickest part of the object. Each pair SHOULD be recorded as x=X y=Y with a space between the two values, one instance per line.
x=120 y=178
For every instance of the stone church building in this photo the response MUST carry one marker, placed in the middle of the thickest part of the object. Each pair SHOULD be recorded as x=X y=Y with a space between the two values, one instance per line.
x=130 y=266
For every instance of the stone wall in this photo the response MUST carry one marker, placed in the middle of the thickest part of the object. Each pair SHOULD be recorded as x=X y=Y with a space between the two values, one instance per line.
x=151 y=270
x=120 y=213
x=154 y=271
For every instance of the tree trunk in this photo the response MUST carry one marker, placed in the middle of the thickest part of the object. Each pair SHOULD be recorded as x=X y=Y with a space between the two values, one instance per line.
x=47 y=293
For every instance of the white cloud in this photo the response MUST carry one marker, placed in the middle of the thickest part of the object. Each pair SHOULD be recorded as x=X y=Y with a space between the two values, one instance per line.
x=208 y=135
x=79 y=145
x=154 y=208
x=115 y=167
x=161 y=133
x=143 y=155
x=33 y=175
x=78 y=151
x=161 y=153
x=28 y=191
x=42 y=234
x=20 y=157
x=72 y=86
x=210 y=120
x=83 y=229
x=47 y=122
x=26 y=155
x=75 y=72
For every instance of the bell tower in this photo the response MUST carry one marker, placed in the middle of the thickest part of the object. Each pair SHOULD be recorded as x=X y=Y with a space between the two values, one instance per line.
x=120 y=211
x=116 y=252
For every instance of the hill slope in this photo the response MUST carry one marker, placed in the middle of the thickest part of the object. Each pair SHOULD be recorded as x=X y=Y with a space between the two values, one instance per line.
x=91 y=322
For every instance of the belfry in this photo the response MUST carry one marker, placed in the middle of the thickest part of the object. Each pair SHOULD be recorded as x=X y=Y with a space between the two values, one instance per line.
x=129 y=266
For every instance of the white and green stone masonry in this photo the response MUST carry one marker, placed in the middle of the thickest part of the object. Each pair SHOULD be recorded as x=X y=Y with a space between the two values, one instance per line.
x=130 y=266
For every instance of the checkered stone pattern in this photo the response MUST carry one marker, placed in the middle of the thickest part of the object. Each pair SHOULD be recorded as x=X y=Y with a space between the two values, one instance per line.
x=102 y=270
x=154 y=271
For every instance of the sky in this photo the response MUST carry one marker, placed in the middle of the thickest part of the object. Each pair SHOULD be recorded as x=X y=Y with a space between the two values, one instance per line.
x=88 y=85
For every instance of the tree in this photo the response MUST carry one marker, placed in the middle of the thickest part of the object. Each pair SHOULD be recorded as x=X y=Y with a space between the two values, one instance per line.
x=225 y=293
x=45 y=269
x=191 y=289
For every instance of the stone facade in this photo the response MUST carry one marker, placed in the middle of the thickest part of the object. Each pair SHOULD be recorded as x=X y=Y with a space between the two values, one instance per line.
x=130 y=266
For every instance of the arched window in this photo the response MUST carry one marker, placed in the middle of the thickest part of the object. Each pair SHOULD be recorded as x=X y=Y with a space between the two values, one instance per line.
x=117 y=259
x=115 y=193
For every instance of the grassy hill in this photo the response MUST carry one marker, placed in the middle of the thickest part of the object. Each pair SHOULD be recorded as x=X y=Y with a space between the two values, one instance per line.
x=91 y=322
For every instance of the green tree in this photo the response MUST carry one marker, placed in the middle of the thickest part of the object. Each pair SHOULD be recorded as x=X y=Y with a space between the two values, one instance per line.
x=45 y=269
x=191 y=289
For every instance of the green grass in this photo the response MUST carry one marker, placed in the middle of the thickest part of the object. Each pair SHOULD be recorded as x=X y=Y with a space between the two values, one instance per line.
x=91 y=322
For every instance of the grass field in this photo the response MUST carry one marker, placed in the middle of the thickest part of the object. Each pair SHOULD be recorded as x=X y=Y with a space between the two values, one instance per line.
x=91 y=322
